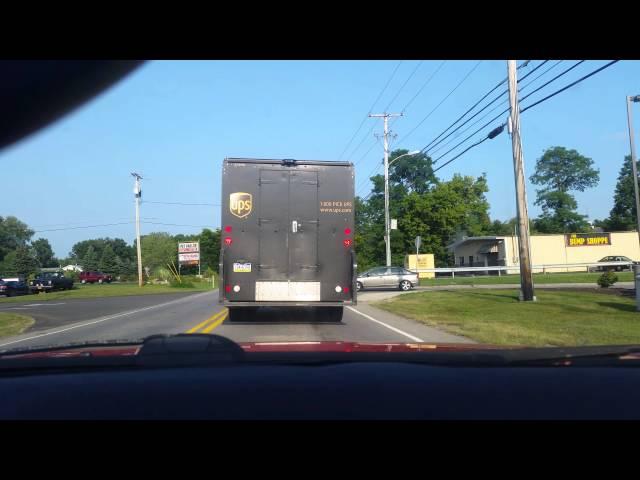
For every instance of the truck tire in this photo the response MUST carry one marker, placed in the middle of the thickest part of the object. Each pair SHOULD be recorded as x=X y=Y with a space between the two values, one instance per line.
x=84 y=281
x=100 y=281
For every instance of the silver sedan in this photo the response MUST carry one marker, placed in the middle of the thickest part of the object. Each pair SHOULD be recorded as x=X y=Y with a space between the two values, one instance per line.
x=387 y=277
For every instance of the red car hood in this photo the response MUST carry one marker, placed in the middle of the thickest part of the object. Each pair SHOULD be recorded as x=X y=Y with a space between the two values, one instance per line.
x=334 y=346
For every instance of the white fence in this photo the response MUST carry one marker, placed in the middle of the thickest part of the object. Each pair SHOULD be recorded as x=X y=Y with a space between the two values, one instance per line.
x=516 y=268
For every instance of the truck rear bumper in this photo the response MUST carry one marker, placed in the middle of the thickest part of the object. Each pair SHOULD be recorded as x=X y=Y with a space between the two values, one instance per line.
x=227 y=303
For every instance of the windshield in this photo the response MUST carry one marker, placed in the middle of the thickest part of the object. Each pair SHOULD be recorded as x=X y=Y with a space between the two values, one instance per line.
x=207 y=222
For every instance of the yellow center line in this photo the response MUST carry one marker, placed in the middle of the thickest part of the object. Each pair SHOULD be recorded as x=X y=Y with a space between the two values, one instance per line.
x=212 y=318
x=217 y=323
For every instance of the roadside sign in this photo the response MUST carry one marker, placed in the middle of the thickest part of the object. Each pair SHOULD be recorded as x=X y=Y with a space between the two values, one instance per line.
x=394 y=224
x=188 y=257
x=188 y=247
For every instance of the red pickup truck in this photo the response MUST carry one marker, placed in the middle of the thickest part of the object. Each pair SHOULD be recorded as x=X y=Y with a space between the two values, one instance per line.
x=93 y=277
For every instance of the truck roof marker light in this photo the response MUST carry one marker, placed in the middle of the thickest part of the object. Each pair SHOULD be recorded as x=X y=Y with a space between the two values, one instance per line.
x=228 y=241
x=227 y=229
x=347 y=243
x=347 y=231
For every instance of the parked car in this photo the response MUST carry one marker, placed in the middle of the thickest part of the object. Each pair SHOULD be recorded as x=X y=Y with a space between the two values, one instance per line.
x=93 y=277
x=46 y=282
x=387 y=277
x=11 y=288
x=613 y=258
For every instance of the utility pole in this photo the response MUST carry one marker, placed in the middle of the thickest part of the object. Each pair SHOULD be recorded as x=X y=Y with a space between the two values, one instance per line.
x=634 y=167
x=387 y=231
x=137 y=191
x=526 y=278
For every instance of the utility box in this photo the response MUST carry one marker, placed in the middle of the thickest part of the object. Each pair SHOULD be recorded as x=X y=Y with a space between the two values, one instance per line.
x=425 y=260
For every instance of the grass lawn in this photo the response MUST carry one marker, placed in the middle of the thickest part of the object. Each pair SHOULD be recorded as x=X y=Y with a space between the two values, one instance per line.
x=576 y=277
x=13 y=324
x=558 y=318
x=106 y=290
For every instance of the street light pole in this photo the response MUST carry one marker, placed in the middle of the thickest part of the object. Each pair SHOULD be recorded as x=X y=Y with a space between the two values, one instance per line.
x=138 y=194
x=634 y=168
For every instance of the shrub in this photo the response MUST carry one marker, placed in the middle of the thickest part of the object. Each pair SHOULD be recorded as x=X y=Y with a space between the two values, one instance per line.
x=184 y=284
x=72 y=275
x=607 y=279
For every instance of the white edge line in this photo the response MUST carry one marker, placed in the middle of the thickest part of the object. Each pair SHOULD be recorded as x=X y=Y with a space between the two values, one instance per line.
x=104 y=319
x=397 y=330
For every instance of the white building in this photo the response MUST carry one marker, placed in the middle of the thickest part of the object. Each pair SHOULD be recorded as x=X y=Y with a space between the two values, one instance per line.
x=74 y=268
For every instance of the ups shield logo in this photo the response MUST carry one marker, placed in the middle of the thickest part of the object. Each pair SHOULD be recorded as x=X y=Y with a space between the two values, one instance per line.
x=240 y=204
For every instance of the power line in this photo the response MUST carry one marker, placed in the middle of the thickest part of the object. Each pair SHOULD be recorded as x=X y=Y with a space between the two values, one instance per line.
x=539 y=76
x=463 y=141
x=564 y=72
x=363 y=140
x=403 y=85
x=443 y=100
x=364 y=181
x=432 y=144
x=504 y=102
x=404 y=109
x=495 y=132
x=505 y=111
x=85 y=226
x=460 y=154
x=568 y=86
x=176 y=225
x=370 y=109
x=366 y=153
x=187 y=204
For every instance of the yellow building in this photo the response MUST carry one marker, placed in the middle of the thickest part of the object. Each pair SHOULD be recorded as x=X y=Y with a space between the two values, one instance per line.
x=425 y=260
x=558 y=250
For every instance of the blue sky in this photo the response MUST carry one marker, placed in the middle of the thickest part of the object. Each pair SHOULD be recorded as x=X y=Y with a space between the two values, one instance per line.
x=175 y=121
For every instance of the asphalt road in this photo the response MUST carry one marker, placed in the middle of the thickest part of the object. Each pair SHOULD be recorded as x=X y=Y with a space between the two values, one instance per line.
x=133 y=318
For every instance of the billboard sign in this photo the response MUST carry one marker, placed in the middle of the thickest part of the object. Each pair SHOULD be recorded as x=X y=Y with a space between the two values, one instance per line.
x=188 y=247
x=587 y=239
x=188 y=258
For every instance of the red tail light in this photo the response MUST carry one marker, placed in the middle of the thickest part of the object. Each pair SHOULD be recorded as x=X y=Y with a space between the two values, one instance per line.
x=228 y=241
x=227 y=229
x=347 y=231
x=227 y=288
x=347 y=243
x=345 y=289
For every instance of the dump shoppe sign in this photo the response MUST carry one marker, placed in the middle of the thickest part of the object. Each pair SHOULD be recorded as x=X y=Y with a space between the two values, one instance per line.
x=588 y=239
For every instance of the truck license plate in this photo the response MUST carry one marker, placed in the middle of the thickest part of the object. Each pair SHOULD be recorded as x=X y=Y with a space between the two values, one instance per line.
x=242 y=268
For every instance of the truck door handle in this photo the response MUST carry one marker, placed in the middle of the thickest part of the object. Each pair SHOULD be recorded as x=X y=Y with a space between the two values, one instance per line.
x=294 y=226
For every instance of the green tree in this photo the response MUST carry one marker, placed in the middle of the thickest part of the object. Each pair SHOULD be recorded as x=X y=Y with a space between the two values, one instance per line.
x=209 y=248
x=44 y=253
x=623 y=214
x=108 y=261
x=560 y=171
x=21 y=261
x=118 y=245
x=559 y=214
x=90 y=260
x=158 y=249
x=413 y=172
x=13 y=233
x=435 y=213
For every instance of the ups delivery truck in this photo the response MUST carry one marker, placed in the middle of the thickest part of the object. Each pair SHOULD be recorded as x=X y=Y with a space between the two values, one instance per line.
x=287 y=236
